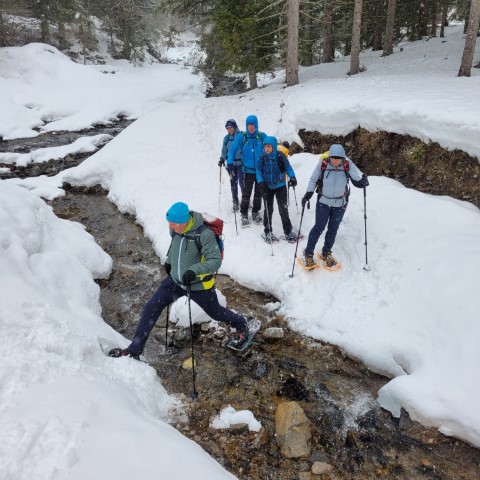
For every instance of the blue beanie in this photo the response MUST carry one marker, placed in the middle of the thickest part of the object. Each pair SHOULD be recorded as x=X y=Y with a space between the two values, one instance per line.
x=178 y=213
x=336 y=150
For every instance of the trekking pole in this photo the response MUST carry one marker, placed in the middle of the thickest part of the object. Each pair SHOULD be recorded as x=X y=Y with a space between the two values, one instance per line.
x=296 y=204
x=233 y=200
x=194 y=392
x=288 y=196
x=166 y=327
x=220 y=191
x=298 y=239
x=366 y=267
x=269 y=224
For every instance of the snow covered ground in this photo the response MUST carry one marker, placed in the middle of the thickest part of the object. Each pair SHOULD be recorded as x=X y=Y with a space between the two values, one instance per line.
x=413 y=316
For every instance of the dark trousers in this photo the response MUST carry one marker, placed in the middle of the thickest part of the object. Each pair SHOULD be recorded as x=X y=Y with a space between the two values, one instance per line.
x=251 y=184
x=166 y=294
x=323 y=215
x=281 y=194
x=237 y=179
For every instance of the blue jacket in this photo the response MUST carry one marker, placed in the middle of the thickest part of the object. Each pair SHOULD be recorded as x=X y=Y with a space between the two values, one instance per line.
x=227 y=143
x=250 y=145
x=271 y=168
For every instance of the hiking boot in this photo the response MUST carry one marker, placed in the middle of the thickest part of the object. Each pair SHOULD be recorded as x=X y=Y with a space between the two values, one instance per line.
x=291 y=237
x=328 y=259
x=309 y=261
x=238 y=340
x=245 y=221
x=122 y=352
x=257 y=218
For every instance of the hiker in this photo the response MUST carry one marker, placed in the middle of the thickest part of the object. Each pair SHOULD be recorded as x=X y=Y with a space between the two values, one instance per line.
x=330 y=178
x=250 y=143
x=187 y=268
x=271 y=170
x=236 y=173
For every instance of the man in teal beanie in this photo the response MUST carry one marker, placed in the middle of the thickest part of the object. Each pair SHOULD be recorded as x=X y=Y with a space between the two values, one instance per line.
x=190 y=268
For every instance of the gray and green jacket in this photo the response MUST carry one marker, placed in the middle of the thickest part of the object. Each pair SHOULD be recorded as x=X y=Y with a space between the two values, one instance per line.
x=183 y=255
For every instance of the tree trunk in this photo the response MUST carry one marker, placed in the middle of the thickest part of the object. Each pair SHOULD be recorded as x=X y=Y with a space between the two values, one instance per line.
x=444 y=19
x=292 y=42
x=422 y=20
x=62 y=36
x=252 y=77
x=468 y=51
x=328 y=53
x=45 y=29
x=433 y=16
x=390 y=27
x=306 y=58
x=357 y=27
x=377 y=27
x=468 y=7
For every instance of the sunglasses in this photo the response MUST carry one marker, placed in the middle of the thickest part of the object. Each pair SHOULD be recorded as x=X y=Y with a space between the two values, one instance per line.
x=336 y=158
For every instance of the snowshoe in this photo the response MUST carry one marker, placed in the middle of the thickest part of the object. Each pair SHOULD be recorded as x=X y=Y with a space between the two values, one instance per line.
x=329 y=263
x=240 y=342
x=245 y=222
x=257 y=218
x=269 y=238
x=307 y=263
x=292 y=237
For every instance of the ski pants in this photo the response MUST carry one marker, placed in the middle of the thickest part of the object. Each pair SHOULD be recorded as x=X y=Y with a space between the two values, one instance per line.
x=237 y=179
x=249 y=185
x=325 y=214
x=166 y=294
x=281 y=194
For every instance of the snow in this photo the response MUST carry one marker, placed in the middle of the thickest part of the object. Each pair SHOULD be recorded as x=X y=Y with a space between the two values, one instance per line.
x=229 y=417
x=412 y=317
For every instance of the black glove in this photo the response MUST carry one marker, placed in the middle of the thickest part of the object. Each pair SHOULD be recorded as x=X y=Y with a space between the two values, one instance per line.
x=231 y=169
x=292 y=182
x=188 y=277
x=306 y=198
x=221 y=163
x=286 y=144
x=364 y=181
x=167 y=268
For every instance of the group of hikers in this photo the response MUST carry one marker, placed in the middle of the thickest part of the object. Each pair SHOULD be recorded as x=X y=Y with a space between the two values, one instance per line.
x=255 y=164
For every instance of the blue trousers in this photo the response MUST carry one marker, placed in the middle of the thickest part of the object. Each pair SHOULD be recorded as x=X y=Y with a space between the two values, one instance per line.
x=325 y=215
x=166 y=294
x=237 y=180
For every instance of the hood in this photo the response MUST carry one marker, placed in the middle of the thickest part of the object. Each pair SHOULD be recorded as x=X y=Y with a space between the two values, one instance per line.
x=253 y=120
x=336 y=150
x=273 y=142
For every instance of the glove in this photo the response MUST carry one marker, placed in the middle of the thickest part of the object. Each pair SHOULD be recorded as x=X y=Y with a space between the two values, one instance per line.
x=286 y=144
x=364 y=181
x=188 y=277
x=167 y=268
x=292 y=182
x=221 y=163
x=306 y=198
x=231 y=169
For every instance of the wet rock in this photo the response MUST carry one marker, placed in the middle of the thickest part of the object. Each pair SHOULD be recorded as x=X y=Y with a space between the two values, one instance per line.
x=319 y=468
x=293 y=389
x=273 y=333
x=292 y=429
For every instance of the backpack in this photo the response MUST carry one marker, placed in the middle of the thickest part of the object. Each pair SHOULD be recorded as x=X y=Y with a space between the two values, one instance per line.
x=215 y=224
x=346 y=169
x=257 y=136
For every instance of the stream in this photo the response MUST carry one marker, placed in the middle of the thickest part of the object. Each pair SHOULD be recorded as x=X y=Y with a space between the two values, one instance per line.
x=350 y=431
